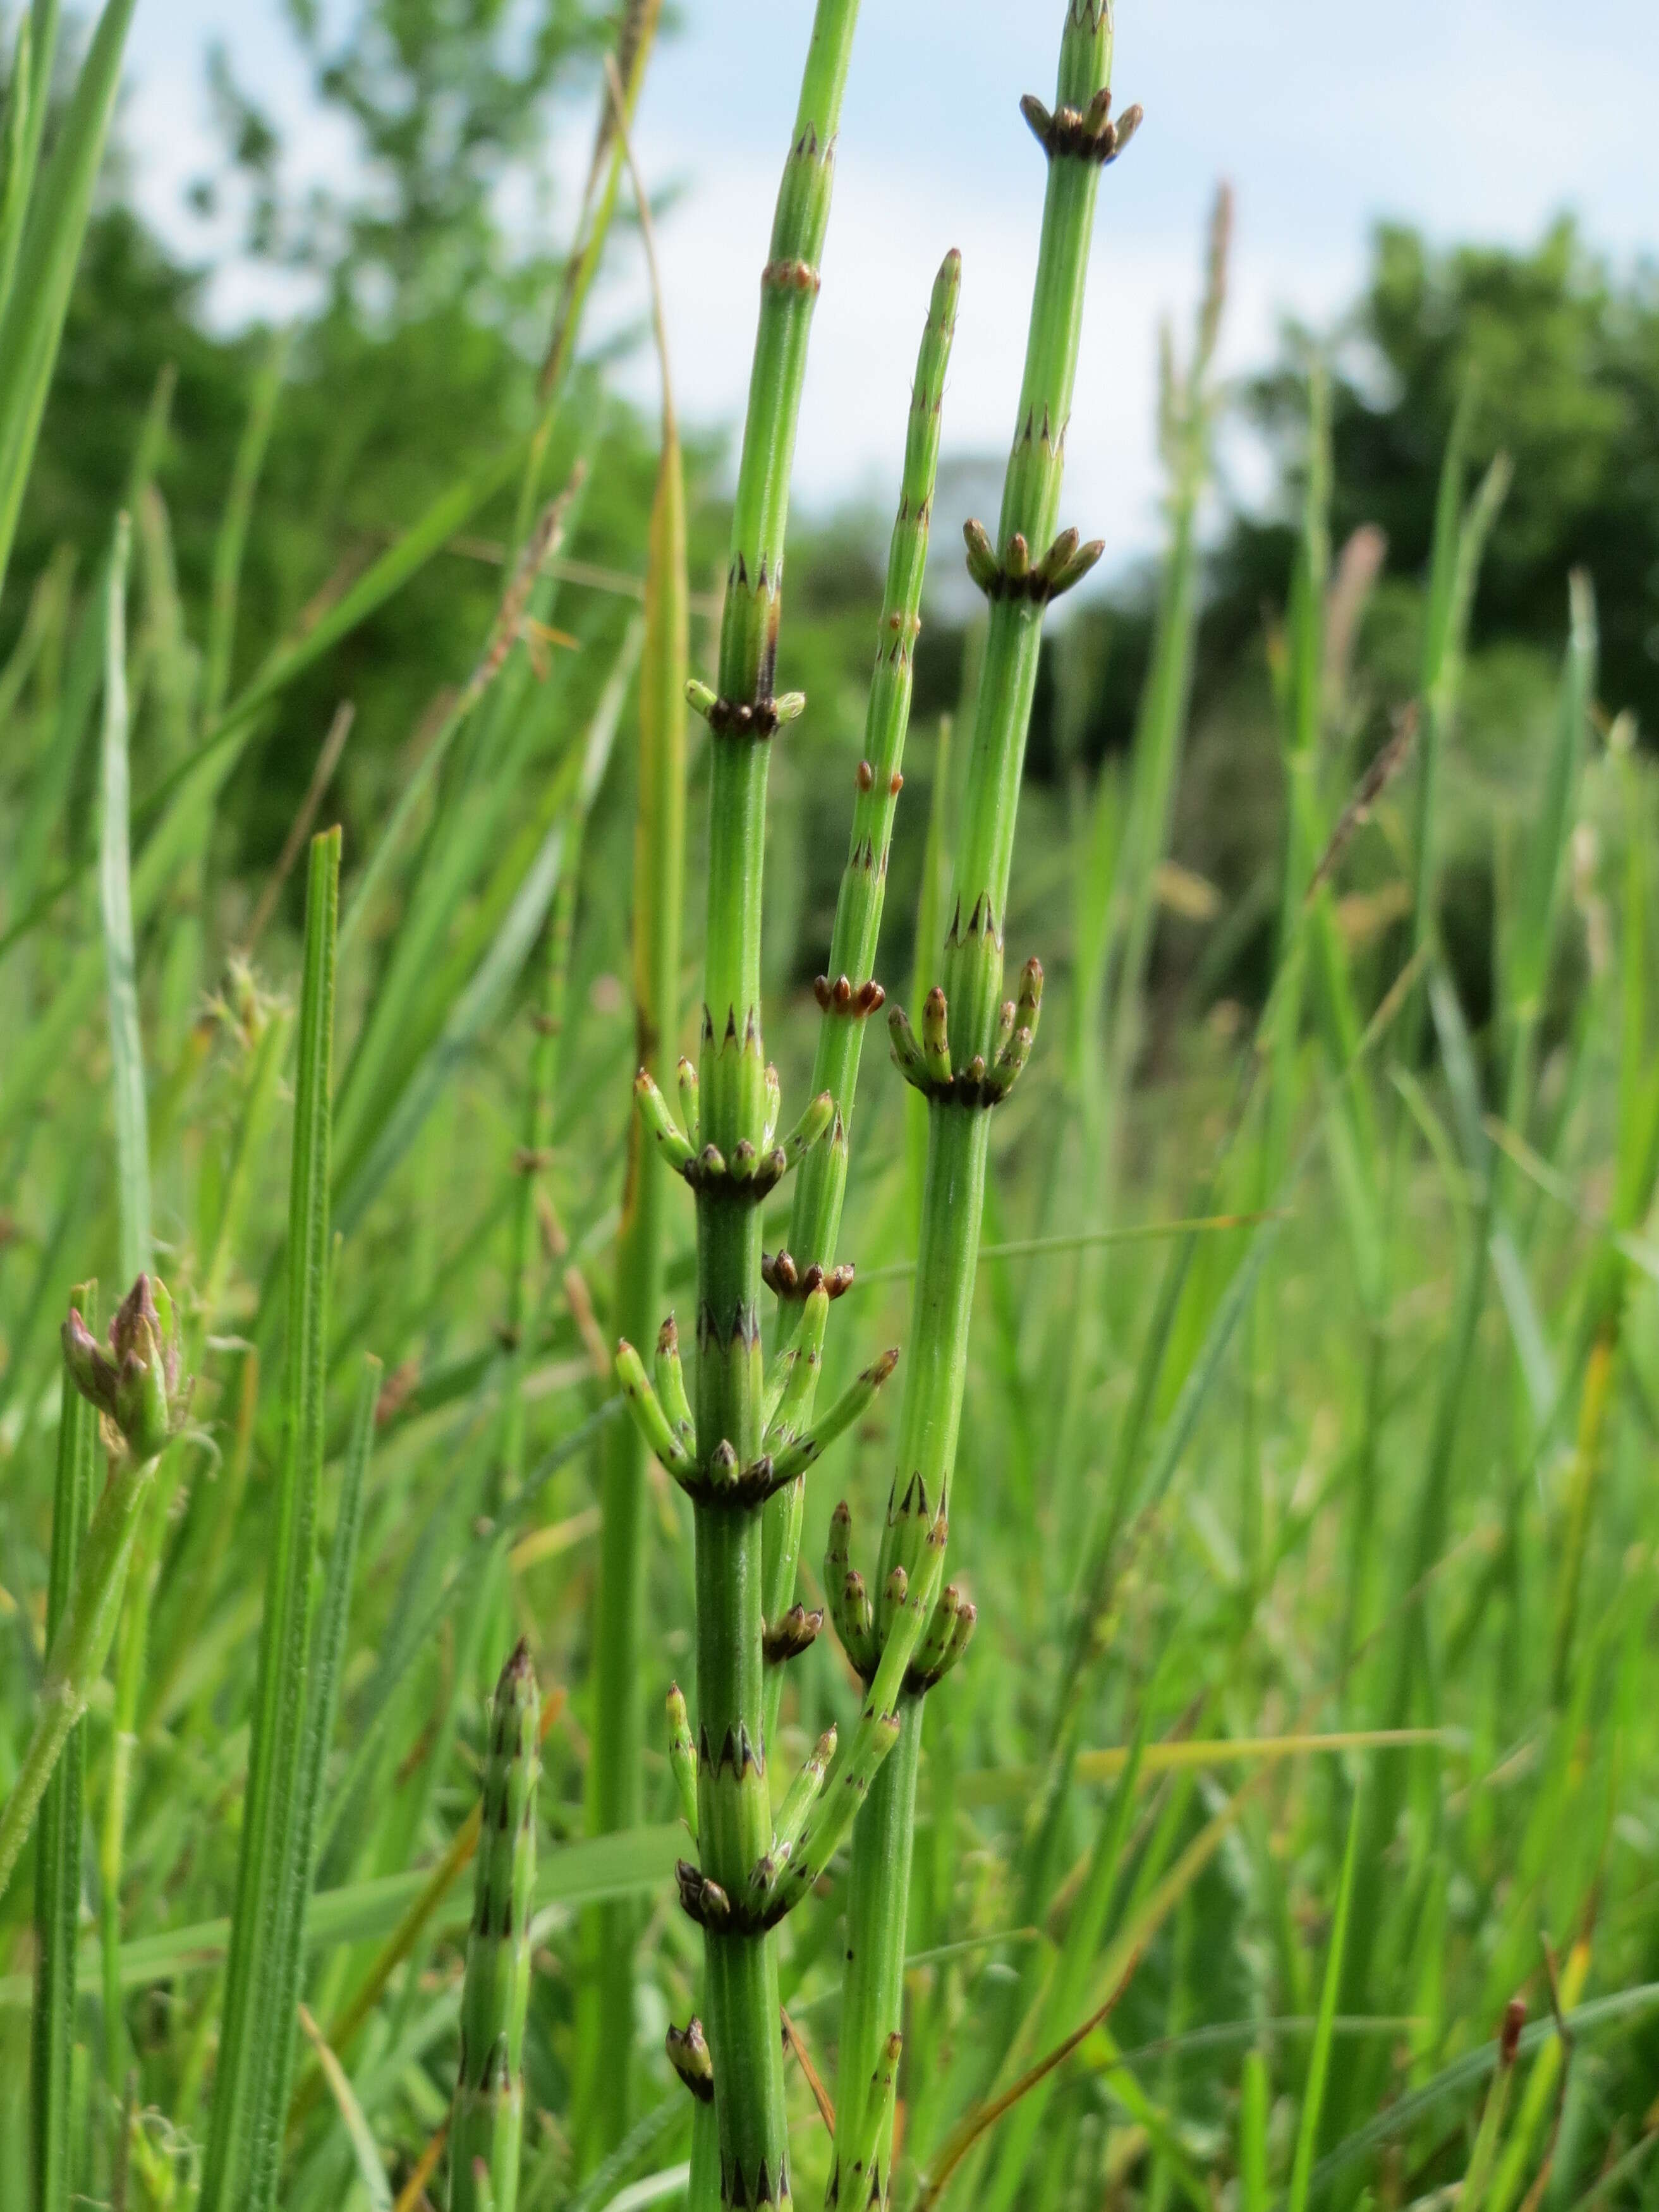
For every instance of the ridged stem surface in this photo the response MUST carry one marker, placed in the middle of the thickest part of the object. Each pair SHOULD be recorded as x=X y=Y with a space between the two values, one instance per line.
x=821 y=1180
x=487 y=2127
x=1030 y=510
x=734 y=1811
x=958 y=1134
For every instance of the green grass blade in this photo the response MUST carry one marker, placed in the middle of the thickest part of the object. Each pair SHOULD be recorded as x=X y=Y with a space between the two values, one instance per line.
x=446 y=927
x=1319 y=2059
x=411 y=1635
x=78 y=686
x=1058 y=2000
x=231 y=542
x=1459 y=542
x=365 y=2151
x=494 y=661
x=323 y=1697
x=115 y=901
x=603 y=2099
x=636 y=35
x=256 y=2037
x=1532 y=928
x=1473 y=2196
x=33 y=321
x=58 y=1855
x=1468 y=2071
x=1188 y=412
x=403 y=1116
x=17 y=155
x=1254 y=2097
x=637 y=1864
x=451 y=511
x=132 y=1213
x=1524 y=972
x=175 y=805
x=323 y=1694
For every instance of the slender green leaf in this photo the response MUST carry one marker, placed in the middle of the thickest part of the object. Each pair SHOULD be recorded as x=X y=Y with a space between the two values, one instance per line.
x=401 y=1119
x=58 y=1855
x=32 y=322
x=1319 y=2059
x=232 y=541
x=1470 y=2071
x=115 y=899
x=256 y=2048
x=359 y=1912
x=365 y=2151
x=17 y=153
x=603 y=2102
x=1253 y=2100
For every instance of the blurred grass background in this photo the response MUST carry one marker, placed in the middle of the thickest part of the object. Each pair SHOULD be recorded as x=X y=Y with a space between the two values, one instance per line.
x=1260 y=1589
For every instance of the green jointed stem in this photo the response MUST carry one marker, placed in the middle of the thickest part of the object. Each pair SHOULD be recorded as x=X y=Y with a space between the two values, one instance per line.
x=734 y=1814
x=849 y=994
x=58 y=1855
x=487 y=2125
x=971 y=1049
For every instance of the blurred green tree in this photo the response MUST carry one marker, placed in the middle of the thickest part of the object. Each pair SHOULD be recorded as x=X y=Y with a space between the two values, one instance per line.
x=431 y=292
x=1563 y=351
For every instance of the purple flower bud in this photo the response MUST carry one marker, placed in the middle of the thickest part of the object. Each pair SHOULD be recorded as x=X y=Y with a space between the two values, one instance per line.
x=135 y=1384
x=89 y=1367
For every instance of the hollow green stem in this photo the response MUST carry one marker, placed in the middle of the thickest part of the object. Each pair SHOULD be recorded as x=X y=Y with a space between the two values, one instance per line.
x=970 y=1042
x=734 y=1813
x=1030 y=508
x=848 y=993
x=487 y=2127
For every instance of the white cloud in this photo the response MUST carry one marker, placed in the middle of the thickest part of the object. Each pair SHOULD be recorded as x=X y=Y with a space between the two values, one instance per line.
x=1470 y=116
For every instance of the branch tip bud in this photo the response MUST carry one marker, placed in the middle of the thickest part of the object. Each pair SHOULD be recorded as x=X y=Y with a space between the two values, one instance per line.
x=1037 y=116
x=654 y=1113
x=135 y=1384
x=688 y=2055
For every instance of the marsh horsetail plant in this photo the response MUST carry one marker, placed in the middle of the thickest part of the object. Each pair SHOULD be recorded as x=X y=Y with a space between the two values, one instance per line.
x=973 y=1045
x=803 y=1273
x=744 y=1443
x=488 y=2123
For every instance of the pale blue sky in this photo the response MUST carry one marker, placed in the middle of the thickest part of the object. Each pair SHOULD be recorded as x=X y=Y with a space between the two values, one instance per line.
x=1472 y=118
